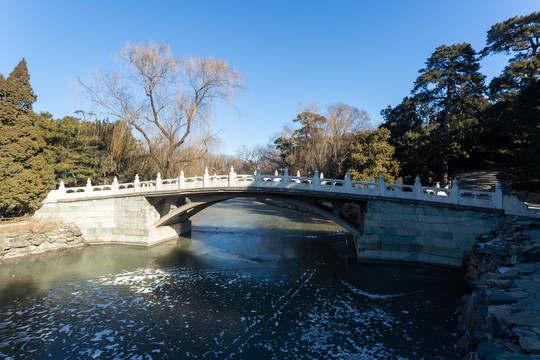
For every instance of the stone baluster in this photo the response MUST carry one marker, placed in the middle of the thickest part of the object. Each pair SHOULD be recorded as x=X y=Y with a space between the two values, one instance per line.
x=298 y=181
x=158 y=181
x=276 y=174
x=454 y=192
x=136 y=183
x=62 y=188
x=286 y=178
x=181 y=180
x=417 y=187
x=88 y=189
x=348 y=183
x=498 y=197
x=321 y=175
x=115 y=186
x=257 y=175
x=232 y=177
x=206 y=178
x=382 y=186
x=316 y=179
x=371 y=186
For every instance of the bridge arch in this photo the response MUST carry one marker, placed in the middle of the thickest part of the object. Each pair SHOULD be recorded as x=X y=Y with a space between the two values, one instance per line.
x=347 y=214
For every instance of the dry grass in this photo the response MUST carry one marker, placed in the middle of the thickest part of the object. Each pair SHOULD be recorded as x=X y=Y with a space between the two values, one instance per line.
x=24 y=223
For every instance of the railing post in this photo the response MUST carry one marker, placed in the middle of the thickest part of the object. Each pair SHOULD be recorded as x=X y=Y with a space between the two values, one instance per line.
x=382 y=186
x=205 y=178
x=417 y=187
x=232 y=177
x=88 y=189
x=136 y=183
x=158 y=181
x=498 y=196
x=348 y=183
x=62 y=188
x=257 y=176
x=286 y=179
x=454 y=195
x=181 y=180
x=115 y=186
x=298 y=181
x=316 y=179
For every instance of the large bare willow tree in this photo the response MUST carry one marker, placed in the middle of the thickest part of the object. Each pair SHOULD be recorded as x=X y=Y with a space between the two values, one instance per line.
x=167 y=99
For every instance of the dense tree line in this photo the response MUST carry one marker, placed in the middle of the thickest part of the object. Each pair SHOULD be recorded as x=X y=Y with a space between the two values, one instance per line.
x=451 y=121
x=37 y=151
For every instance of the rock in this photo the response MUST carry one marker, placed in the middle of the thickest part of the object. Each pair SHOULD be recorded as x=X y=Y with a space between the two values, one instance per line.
x=498 y=298
x=522 y=318
x=518 y=294
x=511 y=346
x=475 y=312
x=499 y=283
x=531 y=253
x=472 y=273
x=37 y=239
x=465 y=344
x=54 y=237
x=488 y=350
x=528 y=340
x=525 y=268
x=516 y=356
x=18 y=243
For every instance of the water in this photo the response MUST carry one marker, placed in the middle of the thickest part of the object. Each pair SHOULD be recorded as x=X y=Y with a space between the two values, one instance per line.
x=251 y=282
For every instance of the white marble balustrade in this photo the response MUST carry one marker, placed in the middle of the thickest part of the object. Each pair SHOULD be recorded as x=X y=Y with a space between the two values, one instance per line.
x=318 y=183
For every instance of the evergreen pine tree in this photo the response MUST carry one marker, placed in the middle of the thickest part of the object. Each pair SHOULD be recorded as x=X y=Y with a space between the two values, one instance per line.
x=24 y=172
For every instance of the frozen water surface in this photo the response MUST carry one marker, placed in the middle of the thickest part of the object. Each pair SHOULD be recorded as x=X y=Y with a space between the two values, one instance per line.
x=249 y=283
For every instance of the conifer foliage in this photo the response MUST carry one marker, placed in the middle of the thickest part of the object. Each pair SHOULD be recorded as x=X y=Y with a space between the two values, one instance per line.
x=24 y=172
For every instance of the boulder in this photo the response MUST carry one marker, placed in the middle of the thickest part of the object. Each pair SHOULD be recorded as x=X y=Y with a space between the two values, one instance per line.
x=475 y=312
x=528 y=340
x=37 y=239
x=18 y=243
x=488 y=350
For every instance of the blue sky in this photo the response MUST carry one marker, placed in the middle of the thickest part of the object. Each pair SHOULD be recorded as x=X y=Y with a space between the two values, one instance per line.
x=363 y=53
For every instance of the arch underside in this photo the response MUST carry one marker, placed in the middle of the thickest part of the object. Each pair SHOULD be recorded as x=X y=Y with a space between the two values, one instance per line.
x=346 y=213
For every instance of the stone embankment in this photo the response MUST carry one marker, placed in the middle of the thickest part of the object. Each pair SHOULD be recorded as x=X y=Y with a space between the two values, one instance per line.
x=500 y=320
x=33 y=238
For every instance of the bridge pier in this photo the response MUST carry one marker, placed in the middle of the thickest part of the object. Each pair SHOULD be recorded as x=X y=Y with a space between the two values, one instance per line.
x=128 y=220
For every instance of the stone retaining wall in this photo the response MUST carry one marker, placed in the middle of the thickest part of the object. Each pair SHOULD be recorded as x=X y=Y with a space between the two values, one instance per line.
x=128 y=220
x=422 y=233
x=25 y=239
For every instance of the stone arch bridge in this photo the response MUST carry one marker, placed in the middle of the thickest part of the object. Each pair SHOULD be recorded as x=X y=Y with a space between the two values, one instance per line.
x=389 y=221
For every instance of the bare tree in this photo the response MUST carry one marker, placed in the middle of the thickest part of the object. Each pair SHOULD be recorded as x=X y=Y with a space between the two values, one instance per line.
x=322 y=141
x=167 y=100
x=343 y=122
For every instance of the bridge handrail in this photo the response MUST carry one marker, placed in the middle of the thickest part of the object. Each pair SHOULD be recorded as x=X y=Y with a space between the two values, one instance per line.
x=318 y=183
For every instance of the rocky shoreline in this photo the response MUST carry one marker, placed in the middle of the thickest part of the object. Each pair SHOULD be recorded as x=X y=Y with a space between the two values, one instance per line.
x=500 y=320
x=34 y=238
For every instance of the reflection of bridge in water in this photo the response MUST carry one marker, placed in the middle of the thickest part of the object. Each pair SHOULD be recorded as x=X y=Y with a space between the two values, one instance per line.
x=389 y=221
